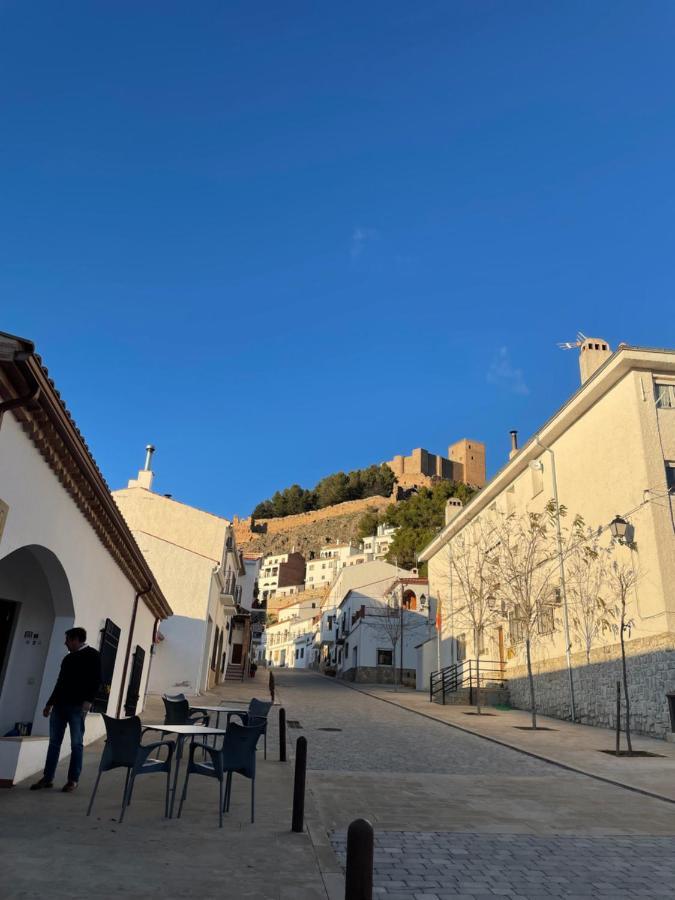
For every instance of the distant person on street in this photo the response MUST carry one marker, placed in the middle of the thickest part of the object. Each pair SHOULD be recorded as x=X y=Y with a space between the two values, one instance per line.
x=70 y=701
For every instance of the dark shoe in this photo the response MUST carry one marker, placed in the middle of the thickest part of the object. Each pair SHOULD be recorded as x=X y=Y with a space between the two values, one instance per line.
x=41 y=785
x=69 y=787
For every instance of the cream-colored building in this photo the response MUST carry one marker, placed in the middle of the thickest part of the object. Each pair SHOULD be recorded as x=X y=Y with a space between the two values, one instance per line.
x=611 y=447
x=288 y=638
x=194 y=557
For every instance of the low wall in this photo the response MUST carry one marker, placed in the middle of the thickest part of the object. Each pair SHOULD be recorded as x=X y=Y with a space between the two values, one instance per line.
x=651 y=675
x=378 y=675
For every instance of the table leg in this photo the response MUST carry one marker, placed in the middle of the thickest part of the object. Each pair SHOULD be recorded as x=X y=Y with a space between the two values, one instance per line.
x=177 y=759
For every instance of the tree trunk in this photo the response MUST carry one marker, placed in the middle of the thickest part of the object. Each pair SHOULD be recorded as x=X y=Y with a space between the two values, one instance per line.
x=626 y=698
x=530 y=678
x=478 y=709
x=394 y=666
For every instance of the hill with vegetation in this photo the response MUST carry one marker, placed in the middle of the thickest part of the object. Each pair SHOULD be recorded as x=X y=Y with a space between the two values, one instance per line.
x=417 y=520
x=375 y=481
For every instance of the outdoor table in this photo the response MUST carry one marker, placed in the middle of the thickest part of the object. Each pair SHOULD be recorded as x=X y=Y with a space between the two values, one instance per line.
x=182 y=732
x=223 y=709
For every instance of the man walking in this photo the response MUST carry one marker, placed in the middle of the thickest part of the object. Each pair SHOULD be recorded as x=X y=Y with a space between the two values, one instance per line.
x=70 y=701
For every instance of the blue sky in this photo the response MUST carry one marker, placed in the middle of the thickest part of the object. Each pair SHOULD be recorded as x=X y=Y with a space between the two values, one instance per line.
x=279 y=239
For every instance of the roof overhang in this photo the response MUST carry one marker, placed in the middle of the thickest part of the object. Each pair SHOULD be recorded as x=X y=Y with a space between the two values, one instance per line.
x=48 y=424
x=624 y=360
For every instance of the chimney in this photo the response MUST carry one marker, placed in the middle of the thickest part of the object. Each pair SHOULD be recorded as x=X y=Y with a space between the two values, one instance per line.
x=514 y=443
x=593 y=352
x=145 y=475
x=452 y=507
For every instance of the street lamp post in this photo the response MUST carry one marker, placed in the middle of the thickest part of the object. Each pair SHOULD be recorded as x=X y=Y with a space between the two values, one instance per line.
x=563 y=589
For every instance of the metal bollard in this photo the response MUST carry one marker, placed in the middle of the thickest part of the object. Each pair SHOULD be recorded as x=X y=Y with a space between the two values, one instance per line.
x=271 y=686
x=360 y=850
x=299 y=784
x=282 y=735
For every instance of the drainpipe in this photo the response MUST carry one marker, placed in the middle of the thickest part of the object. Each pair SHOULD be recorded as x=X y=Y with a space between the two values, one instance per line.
x=129 y=643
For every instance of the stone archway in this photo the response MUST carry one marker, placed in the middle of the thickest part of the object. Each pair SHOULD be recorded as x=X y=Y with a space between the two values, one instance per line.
x=37 y=608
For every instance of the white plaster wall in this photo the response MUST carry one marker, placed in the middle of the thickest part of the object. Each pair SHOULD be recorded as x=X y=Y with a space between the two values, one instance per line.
x=42 y=513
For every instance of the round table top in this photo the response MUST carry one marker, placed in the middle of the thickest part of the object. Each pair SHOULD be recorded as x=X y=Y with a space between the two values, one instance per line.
x=185 y=729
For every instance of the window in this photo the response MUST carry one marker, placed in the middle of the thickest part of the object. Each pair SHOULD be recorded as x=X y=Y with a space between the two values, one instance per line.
x=665 y=395
x=545 y=618
x=330 y=623
x=481 y=647
x=461 y=647
x=516 y=626
x=670 y=476
x=384 y=657
x=302 y=653
x=110 y=638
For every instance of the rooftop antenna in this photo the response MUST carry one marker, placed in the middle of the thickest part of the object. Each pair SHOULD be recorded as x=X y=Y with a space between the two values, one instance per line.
x=573 y=345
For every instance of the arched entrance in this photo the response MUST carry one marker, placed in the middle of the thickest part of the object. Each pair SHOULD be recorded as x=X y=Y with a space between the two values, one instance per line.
x=410 y=600
x=36 y=607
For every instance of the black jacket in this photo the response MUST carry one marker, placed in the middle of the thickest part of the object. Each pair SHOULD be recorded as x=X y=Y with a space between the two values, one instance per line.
x=79 y=678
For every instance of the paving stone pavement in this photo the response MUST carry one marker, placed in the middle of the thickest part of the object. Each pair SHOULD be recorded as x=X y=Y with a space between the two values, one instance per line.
x=437 y=865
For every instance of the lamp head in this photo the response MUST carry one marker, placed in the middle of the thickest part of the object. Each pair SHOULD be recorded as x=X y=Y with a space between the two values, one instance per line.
x=618 y=528
x=536 y=465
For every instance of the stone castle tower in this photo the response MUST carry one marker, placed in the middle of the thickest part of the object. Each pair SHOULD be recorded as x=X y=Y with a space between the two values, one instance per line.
x=465 y=462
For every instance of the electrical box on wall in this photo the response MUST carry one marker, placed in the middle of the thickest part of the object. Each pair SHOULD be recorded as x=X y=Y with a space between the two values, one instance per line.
x=4 y=509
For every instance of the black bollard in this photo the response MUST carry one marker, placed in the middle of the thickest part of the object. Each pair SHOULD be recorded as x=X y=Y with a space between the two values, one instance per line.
x=271 y=686
x=282 y=735
x=299 y=784
x=618 y=718
x=360 y=849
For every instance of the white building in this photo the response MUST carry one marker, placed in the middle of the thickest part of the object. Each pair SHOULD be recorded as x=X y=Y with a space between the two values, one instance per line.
x=67 y=558
x=195 y=559
x=321 y=571
x=279 y=571
x=378 y=626
x=377 y=545
x=297 y=620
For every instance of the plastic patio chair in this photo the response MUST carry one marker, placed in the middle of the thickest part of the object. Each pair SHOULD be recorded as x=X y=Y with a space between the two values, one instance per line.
x=123 y=750
x=177 y=711
x=257 y=710
x=237 y=755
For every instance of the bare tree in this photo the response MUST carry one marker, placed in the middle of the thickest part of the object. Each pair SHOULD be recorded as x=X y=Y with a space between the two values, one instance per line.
x=623 y=578
x=474 y=562
x=527 y=562
x=391 y=621
x=587 y=570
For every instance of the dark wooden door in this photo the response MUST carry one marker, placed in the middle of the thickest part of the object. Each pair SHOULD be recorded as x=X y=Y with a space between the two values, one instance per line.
x=134 y=688
x=7 y=615
x=236 y=654
x=110 y=638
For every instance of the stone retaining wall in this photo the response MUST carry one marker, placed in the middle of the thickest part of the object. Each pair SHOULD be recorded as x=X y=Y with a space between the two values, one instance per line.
x=651 y=675
x=378 y=675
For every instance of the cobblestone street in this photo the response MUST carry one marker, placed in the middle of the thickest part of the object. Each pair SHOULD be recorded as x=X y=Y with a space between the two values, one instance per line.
x=457 y=816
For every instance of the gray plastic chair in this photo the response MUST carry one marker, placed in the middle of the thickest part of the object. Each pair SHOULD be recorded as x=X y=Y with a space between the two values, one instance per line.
x=257 y=711
x=236 y=755
x=177 y=711
x=123 y=750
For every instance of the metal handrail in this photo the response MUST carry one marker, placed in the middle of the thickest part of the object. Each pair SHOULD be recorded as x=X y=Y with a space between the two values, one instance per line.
x=465 y=673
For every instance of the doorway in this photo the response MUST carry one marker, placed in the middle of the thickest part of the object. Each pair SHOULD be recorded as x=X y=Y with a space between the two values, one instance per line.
x=8 y=611
x=236 y=654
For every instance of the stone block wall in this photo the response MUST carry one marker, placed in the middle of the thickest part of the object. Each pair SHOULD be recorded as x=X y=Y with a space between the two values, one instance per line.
x=378 y=675
x=651 y=675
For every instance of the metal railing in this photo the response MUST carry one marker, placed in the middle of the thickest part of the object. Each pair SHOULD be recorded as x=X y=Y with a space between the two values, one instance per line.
x=464 y=674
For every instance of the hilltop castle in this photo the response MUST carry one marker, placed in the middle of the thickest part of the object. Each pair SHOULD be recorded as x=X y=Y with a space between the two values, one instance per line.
x=465 y=462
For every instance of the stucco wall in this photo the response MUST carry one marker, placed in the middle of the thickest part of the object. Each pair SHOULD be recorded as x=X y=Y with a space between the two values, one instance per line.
x=42 y=513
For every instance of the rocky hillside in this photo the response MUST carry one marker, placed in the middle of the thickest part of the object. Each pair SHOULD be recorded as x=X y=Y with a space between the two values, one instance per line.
x=306 y=531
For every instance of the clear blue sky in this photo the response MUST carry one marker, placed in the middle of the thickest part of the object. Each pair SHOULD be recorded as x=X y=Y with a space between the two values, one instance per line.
x=279 y=239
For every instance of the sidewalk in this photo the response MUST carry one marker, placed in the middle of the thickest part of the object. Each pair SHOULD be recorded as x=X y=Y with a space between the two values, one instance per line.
x=50 y=847
x=575 y=747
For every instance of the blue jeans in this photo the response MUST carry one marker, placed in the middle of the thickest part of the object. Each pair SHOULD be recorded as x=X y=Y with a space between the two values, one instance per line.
x=73 y=717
